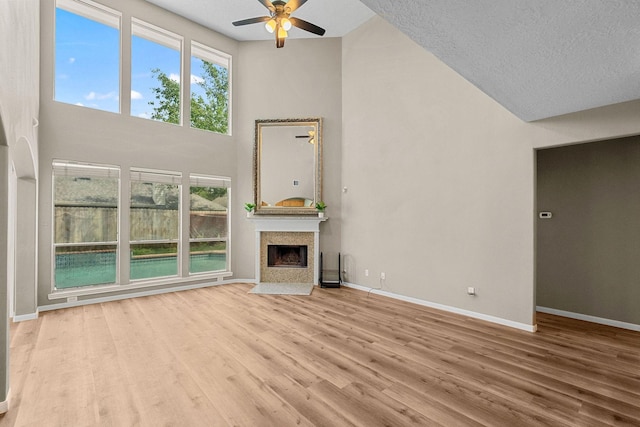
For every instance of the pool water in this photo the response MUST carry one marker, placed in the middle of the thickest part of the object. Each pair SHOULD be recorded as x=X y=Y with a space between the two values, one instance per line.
x=86 y=269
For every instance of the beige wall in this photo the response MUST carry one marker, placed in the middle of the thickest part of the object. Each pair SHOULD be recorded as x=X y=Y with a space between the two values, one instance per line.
x=19 y=74
x=587 y=253
x=441 y=178
x=301 y=80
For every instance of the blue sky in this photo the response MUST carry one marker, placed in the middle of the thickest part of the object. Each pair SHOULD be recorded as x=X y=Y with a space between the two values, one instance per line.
x=88 y=66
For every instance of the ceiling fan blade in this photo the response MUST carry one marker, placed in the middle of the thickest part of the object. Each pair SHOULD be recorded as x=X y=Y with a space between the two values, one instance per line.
x=251 y=21
x=268 y=5
x=307 y=26
x=294 y=4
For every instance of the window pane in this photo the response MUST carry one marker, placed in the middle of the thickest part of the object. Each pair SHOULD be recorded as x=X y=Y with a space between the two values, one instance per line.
x=155 y=74
x=154 y=211
x=209 y=96
x=86 y=209
x=208 y=215
x=154 y=260
x=84 y=266
x=87 y=61
x=207 y=256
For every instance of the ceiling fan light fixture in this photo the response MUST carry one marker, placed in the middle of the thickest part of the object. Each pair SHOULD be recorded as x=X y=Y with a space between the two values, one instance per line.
x=286 y=24
x=279 y=20
x=270 y=25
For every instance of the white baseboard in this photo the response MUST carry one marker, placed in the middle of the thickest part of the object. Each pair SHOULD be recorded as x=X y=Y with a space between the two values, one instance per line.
x=4 y=405
x=473 y=314
x=588 y=318
x=145 y=293
x=23 y=317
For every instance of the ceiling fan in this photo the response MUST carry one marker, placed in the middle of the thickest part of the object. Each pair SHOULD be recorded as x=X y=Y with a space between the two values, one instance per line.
x=280 y=20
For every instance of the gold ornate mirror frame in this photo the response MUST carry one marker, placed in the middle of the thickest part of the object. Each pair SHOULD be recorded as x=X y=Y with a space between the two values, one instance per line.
x=287 y=171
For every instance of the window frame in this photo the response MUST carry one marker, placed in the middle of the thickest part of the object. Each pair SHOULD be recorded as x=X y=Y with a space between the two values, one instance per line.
x=216 y=56
x=97 y=12
x=168 y=39
x=194 y=181
x=79 y=166
x=158 y=177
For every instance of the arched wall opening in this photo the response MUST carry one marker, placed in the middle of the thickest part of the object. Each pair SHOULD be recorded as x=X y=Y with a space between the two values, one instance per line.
x=26 y=219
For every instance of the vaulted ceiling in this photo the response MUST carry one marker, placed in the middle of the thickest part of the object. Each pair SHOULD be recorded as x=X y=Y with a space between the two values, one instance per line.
x=537 y=58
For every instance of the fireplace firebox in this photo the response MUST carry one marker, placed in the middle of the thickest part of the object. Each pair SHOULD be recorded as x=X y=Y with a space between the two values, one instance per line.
x=287 y=256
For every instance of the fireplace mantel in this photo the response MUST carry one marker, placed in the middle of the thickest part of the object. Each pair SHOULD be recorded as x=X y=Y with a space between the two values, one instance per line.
x=287 y=224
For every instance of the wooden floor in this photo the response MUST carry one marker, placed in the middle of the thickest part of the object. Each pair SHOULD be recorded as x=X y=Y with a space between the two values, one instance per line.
x=220 y=356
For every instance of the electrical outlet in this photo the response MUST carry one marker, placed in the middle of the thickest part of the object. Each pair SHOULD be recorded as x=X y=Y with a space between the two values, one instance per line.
x=383 y=276
x=471 y=290
x=366 y=272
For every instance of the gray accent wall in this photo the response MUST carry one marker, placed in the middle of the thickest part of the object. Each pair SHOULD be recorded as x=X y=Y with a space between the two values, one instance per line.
x=588 y=251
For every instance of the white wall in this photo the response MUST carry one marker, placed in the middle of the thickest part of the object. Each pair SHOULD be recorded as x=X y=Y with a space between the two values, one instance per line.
x=441 y=178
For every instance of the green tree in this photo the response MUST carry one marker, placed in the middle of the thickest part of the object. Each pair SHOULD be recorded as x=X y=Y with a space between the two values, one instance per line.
x=209 y=111
x=209 y=193
x=167 y=108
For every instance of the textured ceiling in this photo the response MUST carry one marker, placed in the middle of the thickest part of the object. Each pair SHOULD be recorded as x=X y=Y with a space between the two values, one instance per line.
x=537 y=58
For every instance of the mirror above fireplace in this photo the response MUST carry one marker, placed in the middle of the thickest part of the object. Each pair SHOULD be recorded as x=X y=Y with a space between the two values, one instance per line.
x=287 y=166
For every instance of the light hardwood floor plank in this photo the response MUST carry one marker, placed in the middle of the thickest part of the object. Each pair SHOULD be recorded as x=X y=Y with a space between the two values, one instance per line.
x=220 y=356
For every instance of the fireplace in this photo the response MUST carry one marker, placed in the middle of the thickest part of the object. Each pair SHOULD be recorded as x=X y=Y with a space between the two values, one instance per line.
x=299 y=241
x=287 y=256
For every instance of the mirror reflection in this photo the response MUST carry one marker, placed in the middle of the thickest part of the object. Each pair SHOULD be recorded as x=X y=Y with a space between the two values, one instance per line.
x=287 y=166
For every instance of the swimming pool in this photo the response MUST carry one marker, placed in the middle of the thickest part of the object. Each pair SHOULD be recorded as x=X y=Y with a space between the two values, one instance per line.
x=86 y=269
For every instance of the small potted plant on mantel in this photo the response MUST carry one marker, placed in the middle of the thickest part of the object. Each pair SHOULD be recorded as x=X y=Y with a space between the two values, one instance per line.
x=320 y=206
x=249 y=207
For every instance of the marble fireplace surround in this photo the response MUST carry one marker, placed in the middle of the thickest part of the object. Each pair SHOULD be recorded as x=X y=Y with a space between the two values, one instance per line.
x=287 y=230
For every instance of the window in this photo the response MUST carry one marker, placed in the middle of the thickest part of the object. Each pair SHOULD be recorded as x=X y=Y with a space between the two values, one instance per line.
x=87 y=55
x=210 y=94
x=155 y=73
x=85 y=199
x=154 y=224
x=208 y=224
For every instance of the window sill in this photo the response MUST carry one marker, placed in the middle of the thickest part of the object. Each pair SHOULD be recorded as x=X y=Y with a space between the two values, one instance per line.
x=140 y=284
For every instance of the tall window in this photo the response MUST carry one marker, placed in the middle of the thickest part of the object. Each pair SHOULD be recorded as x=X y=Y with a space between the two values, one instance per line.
x=154 y=223
x=209 y=224
x=87 y=63
x=85 y=199
x=210 y=94
x=155 y=73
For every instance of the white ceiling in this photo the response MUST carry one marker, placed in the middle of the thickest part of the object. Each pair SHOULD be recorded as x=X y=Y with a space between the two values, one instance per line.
x=338 y=17
x=537 y=58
